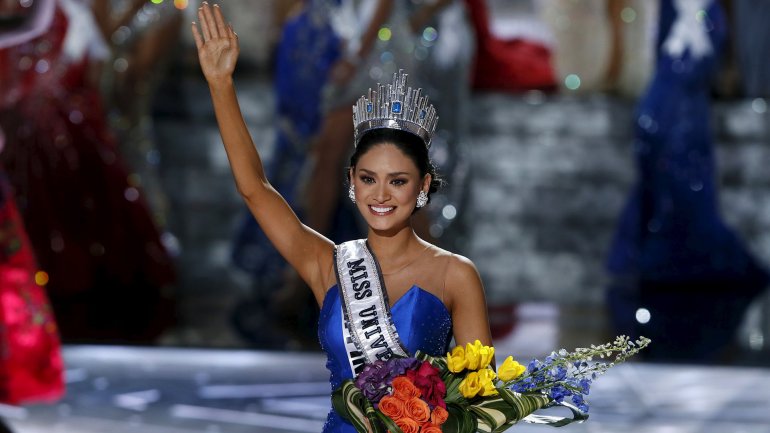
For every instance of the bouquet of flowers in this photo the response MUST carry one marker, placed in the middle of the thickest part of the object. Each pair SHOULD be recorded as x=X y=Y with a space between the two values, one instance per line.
x=461 y=393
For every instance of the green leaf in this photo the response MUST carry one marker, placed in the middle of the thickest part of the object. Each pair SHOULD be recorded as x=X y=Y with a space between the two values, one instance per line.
x=389 y=424
x=351 y=404
x=460 y=420
x=557 y=421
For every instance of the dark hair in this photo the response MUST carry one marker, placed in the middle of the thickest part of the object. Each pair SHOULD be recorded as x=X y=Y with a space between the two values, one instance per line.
x=408 y=143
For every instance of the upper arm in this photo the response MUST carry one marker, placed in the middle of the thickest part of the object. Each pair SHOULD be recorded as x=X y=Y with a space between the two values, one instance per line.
x=468 y=304
x=306 y=250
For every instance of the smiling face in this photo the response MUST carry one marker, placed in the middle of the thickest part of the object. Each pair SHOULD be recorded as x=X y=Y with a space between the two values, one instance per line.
x=387 y=183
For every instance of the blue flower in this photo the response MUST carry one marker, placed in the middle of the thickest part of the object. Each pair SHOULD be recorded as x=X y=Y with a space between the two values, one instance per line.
x=577 y=399
x=585 y=386
x=558 y=393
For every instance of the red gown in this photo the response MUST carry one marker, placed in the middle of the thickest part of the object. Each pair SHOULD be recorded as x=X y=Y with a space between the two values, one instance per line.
x=89 y=225
x=513 y=65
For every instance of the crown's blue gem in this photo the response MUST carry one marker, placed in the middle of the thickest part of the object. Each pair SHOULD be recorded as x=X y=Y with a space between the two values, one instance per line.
x=369 y=108
x=423 y=113
x=396 y=107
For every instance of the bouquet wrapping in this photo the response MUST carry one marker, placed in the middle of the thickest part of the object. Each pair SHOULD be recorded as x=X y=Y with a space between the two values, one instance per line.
x=462 y=393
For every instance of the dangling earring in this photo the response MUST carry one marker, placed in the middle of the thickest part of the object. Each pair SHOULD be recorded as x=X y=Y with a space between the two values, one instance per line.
x=422 y=199
x=352 y=193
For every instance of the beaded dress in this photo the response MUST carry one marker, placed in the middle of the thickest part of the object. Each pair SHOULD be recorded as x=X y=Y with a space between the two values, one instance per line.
x=421 y=320
x=690 y=270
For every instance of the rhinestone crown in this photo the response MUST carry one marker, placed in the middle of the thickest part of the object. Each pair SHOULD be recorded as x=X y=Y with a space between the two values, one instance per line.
x=395 y=106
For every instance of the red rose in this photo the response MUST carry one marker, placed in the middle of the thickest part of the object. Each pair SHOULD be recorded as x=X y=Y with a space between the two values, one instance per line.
x=427 y=379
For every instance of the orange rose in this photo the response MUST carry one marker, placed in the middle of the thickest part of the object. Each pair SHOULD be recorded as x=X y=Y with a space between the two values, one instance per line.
x=408 y=425
x=392 y=407
x=430 y=428
x=439 y=415
x=404 y=389
x=418 y=410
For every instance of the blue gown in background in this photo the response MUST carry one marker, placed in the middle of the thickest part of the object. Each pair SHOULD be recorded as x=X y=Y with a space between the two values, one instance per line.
x=672 y=253
x=307 y=50
x=422 y=322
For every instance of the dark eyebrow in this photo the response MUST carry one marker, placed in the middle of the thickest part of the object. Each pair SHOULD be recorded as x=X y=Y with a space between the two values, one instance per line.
x=371 y=173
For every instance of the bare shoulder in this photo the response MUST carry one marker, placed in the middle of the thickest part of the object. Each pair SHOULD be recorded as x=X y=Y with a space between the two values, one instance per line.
x=461 y=271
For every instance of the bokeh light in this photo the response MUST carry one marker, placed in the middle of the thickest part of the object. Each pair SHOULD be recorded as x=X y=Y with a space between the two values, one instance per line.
x=181 y=4
x=628 y=15
x=643 y=316
x=41 y=278
x=759 y=106
x=384 y=34
x=572 y=82
x=430 y=34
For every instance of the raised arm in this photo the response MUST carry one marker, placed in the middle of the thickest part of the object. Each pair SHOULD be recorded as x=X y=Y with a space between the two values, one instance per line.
x=307 y=251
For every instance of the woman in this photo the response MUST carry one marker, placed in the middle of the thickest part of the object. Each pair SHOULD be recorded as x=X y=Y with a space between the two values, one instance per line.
x=435 y=293
x=673 y=254
x=88 y=223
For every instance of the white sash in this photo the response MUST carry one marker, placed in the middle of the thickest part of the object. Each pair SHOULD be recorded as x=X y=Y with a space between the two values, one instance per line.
x=367 y=328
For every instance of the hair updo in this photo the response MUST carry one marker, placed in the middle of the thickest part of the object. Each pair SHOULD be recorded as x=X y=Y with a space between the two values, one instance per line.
x=409 y=144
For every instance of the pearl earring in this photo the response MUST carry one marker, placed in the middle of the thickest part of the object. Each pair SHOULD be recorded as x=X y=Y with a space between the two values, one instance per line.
x=422 y=199
x=352 y=193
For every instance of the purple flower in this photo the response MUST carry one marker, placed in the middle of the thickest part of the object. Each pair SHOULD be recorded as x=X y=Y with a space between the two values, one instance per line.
x=372 y=381
x=401 y=365
x=376 y=378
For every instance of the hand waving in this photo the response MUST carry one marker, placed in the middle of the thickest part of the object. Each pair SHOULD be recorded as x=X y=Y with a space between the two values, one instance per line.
x=217 y=43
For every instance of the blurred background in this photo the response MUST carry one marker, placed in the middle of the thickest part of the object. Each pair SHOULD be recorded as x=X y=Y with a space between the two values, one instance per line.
x=605 y=166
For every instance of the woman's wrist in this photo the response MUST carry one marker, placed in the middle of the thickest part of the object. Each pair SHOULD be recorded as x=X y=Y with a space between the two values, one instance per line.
x=220 y=83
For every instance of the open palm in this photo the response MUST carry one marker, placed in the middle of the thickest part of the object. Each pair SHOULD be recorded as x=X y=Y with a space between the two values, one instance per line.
x=217 y=43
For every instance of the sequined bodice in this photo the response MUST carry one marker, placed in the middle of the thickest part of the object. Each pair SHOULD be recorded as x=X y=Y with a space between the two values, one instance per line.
x=422 y=322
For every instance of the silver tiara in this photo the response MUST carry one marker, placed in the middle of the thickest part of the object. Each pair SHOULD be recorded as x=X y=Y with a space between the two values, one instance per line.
x=396 y=107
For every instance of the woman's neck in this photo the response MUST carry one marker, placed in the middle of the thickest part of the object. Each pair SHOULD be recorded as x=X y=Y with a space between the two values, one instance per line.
x=393 y=247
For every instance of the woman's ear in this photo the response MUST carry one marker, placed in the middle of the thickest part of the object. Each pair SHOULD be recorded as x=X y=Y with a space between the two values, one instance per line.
x=426 y=181
x=350 y=175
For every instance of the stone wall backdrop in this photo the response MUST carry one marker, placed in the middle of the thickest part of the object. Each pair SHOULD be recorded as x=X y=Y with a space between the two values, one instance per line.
x=549 y=176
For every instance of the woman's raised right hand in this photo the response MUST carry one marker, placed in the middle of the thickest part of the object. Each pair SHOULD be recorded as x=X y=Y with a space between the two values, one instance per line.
x=217 y=44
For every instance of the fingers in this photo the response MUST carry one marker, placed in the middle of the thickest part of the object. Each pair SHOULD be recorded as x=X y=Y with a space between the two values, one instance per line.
x=231 y=33
x=205 y=31
x=210 y=21
x=197 y=36
x=220 y=20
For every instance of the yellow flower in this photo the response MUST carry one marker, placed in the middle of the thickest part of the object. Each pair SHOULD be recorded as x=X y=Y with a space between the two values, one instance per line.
x=510 y=369
x=456 y=361
x=478 y=355
x=472 y=355
x=487 y=382
x=470 y=386
x=486 y=355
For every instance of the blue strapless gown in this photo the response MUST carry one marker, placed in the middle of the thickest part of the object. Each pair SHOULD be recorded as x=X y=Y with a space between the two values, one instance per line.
x=422 y=322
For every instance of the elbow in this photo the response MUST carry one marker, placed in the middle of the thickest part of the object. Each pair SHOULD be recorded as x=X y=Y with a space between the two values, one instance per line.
x=251 y=192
